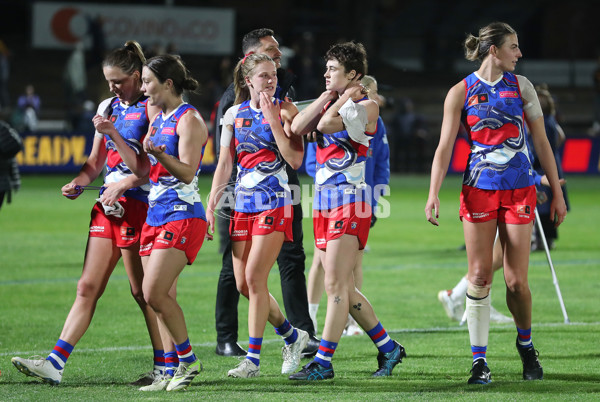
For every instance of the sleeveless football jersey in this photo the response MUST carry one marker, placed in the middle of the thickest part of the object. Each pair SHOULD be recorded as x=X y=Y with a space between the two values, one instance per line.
x=171 y=199
x=262 y=182
x=132 y=123
x=340 y=169
x=494 y=120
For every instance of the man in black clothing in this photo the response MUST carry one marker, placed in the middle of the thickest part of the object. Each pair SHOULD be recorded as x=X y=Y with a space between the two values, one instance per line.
x=10 y=145
x=291 y=257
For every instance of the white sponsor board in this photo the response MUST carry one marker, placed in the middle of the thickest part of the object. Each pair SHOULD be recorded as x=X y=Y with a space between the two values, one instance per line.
x=191 y=29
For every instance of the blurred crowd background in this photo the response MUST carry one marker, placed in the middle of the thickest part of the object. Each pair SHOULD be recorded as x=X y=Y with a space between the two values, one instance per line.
x=414 y=47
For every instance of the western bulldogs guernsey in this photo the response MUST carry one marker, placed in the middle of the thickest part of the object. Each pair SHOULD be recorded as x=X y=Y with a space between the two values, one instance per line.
x=171 y=199
x=340 y=169
x=132 y=123
x=262 y=182
x=493 y=118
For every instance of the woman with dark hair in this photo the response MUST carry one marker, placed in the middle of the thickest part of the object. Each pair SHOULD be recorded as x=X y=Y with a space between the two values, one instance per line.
x=117 y=218
x=176 y=223
x=347 y=120
x=498 y=191
x=257 y=130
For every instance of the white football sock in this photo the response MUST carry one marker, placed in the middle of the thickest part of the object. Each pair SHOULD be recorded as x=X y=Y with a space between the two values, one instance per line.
x=460 y=290
x=478 y=320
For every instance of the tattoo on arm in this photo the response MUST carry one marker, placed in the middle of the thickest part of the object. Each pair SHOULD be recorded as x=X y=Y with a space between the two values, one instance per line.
x=357 y=306
x=337 y=300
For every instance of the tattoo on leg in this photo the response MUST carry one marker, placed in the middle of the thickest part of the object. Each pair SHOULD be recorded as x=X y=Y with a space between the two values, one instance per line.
x=337 y=300
x=357 y=306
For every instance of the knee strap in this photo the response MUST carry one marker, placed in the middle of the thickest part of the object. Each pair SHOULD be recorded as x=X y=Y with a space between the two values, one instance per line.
x=477 y=292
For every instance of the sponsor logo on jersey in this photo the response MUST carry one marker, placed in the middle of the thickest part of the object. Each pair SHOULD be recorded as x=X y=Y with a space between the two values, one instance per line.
x=239 y=233
x=266 y=220
x=127 y=231
x=509 y=94
x=166 y=235
x=240 y=122
x=153 y=131
x=180 y=208
x=113 y=118
x=480 y=215
x=477 y=99
x=336 y=224
x=168 y=130
x=133 y=116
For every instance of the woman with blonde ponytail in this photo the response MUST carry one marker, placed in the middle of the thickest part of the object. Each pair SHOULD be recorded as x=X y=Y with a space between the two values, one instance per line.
x=498 y=191
x=257 y=129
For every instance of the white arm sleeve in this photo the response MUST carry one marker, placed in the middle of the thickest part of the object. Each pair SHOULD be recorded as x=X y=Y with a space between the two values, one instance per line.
x=102 y=110
x=354 y=116
x=531 y=103
x=228 y=124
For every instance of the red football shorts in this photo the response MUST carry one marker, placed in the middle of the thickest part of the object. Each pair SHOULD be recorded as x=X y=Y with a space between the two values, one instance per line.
x=352 y=219
x=186 y=235
x=245 y=225
x=508 y=206
x=125 y=231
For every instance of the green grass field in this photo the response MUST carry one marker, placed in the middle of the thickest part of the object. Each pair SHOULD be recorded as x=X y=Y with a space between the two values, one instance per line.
x=42 y=241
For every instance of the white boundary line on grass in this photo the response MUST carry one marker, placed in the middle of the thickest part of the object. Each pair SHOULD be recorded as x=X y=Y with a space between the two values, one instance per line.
x=212 y=344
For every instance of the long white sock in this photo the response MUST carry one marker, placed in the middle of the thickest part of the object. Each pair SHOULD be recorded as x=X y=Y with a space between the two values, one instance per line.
x=460 y=290
x=312 y=311
x=478 y=320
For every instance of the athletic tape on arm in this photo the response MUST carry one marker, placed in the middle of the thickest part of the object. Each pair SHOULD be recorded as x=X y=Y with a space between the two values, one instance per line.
x=531 y=103
x=354 y=116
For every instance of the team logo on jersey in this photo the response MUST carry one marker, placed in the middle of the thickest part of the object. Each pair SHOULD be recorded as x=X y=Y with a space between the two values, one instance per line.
x=509 y=94
x=523 y=209
x=353 y=225
x=477 y=99
x=240 y=122
x=166 y=235
x=336 y=224
x=133 y=116
x=183 y=240
x=127 y=231
x=168 y=130
x=281 y=222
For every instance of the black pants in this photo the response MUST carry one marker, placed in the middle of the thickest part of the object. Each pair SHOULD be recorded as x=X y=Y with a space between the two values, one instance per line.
x=293 y=282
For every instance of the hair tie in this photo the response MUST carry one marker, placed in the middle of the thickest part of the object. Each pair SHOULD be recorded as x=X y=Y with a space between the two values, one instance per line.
x=246 y=55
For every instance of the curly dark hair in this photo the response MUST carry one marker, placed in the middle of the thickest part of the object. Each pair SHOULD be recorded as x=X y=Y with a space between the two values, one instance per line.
x=351 y=55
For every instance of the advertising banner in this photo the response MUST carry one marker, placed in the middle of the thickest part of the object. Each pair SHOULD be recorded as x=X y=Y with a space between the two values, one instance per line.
x=65 y=152
x=195 y=30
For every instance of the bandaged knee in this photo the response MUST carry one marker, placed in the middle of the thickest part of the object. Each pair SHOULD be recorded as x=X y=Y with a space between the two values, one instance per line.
x=478 y=314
